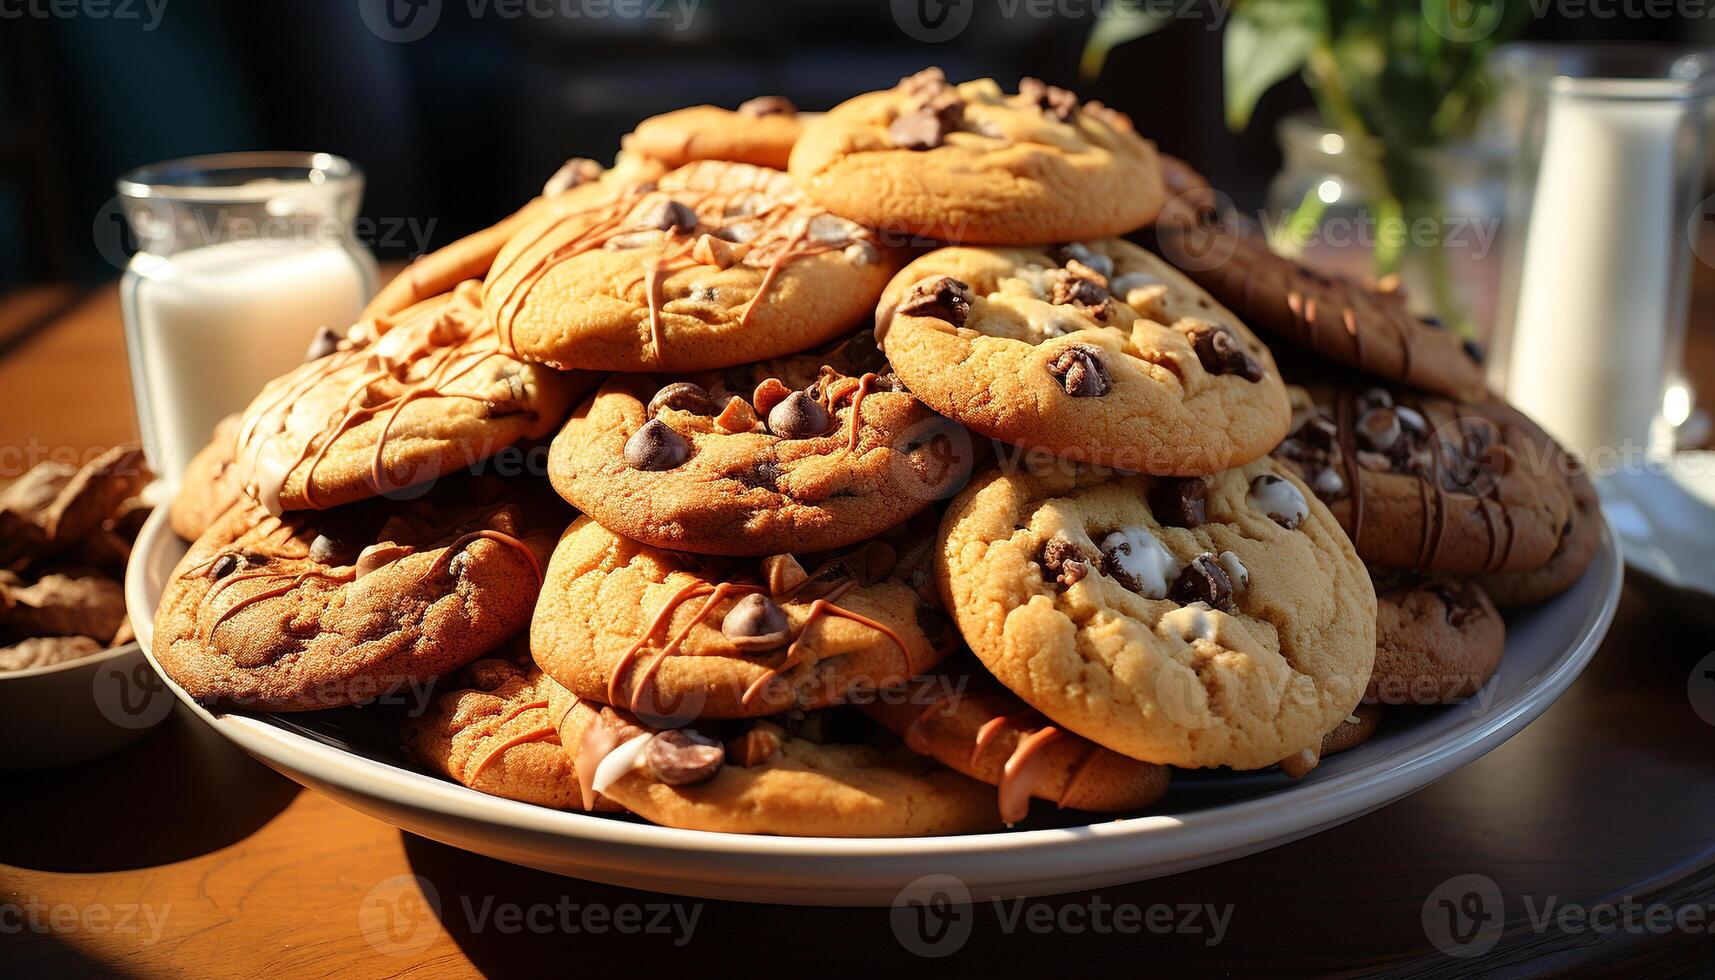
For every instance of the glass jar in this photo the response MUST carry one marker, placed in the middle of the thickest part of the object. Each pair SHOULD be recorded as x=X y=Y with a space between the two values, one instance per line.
x=1333 y=206
x=241 y=257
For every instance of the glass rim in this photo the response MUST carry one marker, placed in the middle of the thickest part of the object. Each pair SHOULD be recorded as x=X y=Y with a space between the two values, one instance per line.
x=184 y=178
x=1621 y=71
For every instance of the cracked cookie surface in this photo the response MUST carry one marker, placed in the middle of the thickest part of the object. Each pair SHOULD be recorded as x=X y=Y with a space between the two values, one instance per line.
x=971 y=163
x=1098 y=352
x=801 y=454
x=1218 y=622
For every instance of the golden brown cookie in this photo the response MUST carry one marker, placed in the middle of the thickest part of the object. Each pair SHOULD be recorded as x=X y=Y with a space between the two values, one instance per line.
x=322 y=610
x=1188 y=622
x=804 y=454
x=1097 y=352
x=401 y=400
x=209 y=487
x=491 y=730
x=759 y=132
x=1438 y=639
x=1359 y=326
x=715 y=264
x=1420 y=482
x=970 y=723
x=801 y=777
x=671 y=634
x=970 y=163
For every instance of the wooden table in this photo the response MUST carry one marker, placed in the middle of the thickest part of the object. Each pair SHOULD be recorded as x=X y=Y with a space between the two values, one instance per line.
x=182 y=854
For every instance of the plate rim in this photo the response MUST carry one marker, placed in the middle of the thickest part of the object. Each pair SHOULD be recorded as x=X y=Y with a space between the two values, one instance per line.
x=1315 y=805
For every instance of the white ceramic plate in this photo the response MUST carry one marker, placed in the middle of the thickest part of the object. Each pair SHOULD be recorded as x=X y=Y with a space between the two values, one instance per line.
x=1665 y=517
x=353 y=756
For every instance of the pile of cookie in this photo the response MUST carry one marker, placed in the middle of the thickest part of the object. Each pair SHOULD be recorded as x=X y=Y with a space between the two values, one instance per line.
x=909 y=487
x=65 y=535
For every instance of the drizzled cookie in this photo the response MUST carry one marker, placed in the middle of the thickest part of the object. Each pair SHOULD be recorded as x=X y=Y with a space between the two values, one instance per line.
x=971 y=163
x=1097 y=352
x=670 y=634
x=802 y=454
x=715 y=264
x=398 y=401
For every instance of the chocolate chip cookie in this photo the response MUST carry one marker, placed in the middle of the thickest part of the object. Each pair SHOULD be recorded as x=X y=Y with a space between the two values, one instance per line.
x=761 y=131
x=805 y=454
x=1098 y=352
x=971 y=163
x=1579 y=539
x=491 y=730
x=815 y=775
x=1420 y=482
x=323 y=610
x=1438 y=638
x=210 y=484
x=398 y=401
x=715 y=264
x=671 y=634
x=970 y=723
x=1352 y=324
x=1188 y=622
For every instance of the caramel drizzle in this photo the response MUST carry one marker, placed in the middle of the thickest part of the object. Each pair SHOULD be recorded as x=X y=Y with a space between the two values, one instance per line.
x=536 y=735
x=715 y=595
x=857 y=396
x=1022 y=772
x=819 y=608
x=292 y=582
x=489 y=534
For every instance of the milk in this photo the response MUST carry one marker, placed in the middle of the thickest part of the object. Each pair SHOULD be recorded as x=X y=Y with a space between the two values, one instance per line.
x=1597 y=297
x=209 y=326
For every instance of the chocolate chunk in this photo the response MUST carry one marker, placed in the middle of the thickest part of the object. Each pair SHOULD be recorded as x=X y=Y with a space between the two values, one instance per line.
x=936 y=627
x=573 y=173
x=943 y=298
x=756 y=746
x=682 y=757
x=655 y=447
x=1063 y=562
x=1203 y=580
x=1473 y=350
x=1081 y=370
x=768 y=105
x=1179 y=501
x=324 y=343
x=1087 y=295
x=756 y=623
x=1220 y=351
x=673 y=216
x=798 y=416
x=223 y=566
x=323 y=549
x=763 y=476
x=682 y=396
x=1052 y=100
x=919 y=129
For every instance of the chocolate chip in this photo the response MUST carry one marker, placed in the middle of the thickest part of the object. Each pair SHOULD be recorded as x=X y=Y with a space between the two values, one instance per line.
x=682 y=757
x=673 y=216
x=1203 y=580
x=324 y=343
x=756 y=746
x=1434 y=323
x=323 y=549
x=798 y=416
x=1063 y=562
x=763 y=476
x=1220 y=351
x=936 y=627
x=682 y=396
x=1179 y=501
x=768 y=105
x=1087 y=295
x=1052 y=100
x=1473 y=350
x=1379 y=429
x=942 y=297
x=1081 y=370
x=655 y=447
x=223 y=566
x=924 y=128
x=756 y=623
x=573 y=173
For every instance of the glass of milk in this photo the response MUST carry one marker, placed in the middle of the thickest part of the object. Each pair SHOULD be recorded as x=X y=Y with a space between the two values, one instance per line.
x=1600 y=225
x=240 y=258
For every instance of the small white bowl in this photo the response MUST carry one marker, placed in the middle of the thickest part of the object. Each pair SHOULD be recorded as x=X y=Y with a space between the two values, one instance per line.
x=72 y=712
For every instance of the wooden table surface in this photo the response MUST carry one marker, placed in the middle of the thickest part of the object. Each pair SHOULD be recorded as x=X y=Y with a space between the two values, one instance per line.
x=181 y=854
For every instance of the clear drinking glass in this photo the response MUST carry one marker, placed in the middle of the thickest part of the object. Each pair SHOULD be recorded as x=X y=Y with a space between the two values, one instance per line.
x=240 y=258
x=1607 y=174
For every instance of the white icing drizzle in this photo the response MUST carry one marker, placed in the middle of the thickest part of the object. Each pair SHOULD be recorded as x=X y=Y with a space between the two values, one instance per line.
x=1279 y=499
x=628 y=757
x=1142 y=557
x=1236 y=571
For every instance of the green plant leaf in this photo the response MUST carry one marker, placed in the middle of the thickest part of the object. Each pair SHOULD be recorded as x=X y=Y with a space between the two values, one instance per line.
x=1266 y=41
x=1118 y=23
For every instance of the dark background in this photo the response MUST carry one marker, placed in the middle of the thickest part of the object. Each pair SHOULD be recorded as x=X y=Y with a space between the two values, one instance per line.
x=463 y=125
